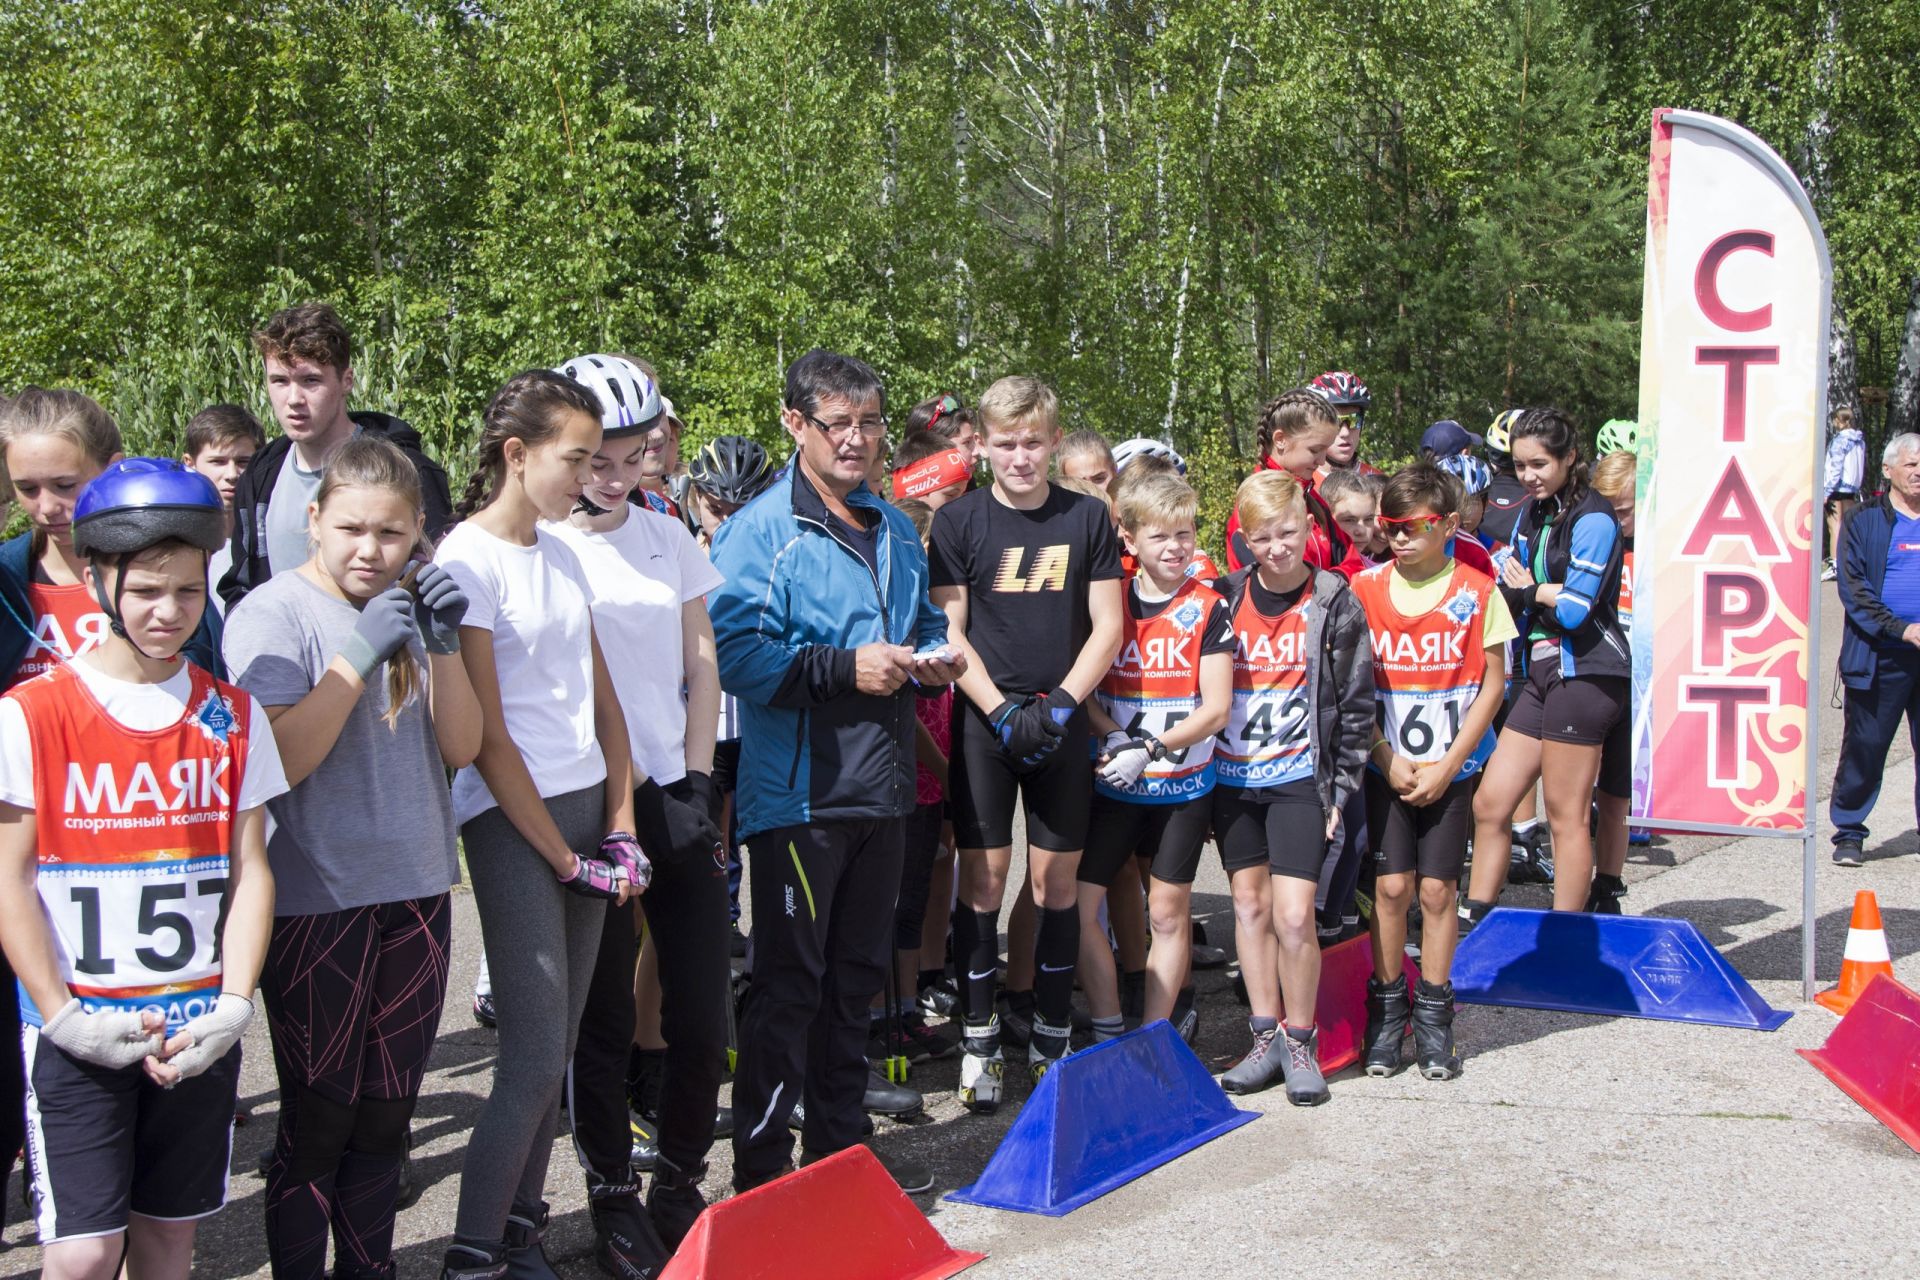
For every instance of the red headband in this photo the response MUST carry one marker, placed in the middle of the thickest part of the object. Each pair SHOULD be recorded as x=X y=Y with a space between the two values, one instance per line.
x=923 y=477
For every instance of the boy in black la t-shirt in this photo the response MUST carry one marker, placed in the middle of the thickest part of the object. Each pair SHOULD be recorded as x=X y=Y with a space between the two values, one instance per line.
x=1029 y=575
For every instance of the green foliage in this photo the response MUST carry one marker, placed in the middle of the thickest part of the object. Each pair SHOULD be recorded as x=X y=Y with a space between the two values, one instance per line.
x=1171 y=211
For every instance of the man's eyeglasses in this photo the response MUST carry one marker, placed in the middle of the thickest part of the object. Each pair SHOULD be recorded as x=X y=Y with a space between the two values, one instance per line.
x=871 y=428
x=1412 y=526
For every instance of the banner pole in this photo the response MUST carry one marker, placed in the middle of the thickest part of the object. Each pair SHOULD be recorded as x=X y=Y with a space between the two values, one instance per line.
x=1809 y=854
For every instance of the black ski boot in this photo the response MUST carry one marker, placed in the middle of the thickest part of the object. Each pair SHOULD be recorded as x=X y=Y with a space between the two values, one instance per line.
x=625 y=1244
x=526 y=1260
x=674 y=1201
x=1387 y=1012
x=1604 y=898
x=1433 y=1031
x=474 y=1262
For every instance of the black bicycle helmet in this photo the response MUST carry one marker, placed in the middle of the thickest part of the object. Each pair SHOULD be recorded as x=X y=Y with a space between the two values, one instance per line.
x=731 y=469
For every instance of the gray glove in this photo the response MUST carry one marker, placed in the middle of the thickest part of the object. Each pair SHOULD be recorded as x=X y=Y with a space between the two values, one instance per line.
x=109 y=1038
x=214 y=1033
x=439 y=605
x=386 y=624
x=1127 y=759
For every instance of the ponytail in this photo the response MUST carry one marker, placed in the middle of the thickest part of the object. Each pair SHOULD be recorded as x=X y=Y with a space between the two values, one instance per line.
x=525 y=408
x=1293 y=413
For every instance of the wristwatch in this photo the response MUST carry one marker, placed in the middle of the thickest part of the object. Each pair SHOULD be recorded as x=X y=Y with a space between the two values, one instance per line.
x=1156 y=749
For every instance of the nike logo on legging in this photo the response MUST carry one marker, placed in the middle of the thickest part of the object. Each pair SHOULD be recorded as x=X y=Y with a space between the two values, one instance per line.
x=983 y=974
x=772 y=1104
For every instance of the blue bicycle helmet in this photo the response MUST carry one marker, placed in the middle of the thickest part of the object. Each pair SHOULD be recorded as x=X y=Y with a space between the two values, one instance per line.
x=137 y=502
x=1474 y=475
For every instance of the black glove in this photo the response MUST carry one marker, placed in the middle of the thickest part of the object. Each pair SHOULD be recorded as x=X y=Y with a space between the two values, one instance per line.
x=673 y=831
x=593 y=878
x=1060 y=708
x=697 y=789
x=1028 y=733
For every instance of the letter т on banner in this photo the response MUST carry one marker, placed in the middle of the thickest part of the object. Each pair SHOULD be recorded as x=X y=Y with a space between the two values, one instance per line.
x=1733 y=389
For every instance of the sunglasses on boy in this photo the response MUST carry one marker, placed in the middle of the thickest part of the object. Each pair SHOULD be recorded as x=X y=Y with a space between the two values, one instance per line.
x=1411 y=526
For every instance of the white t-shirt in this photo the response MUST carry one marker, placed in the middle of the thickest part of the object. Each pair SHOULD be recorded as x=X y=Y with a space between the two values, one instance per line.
x=535 y=601
x=641 y=574
x=217 y=565
x=142 y=708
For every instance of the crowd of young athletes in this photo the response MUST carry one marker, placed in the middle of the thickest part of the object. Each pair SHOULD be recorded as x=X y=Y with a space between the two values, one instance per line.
x=256 y=698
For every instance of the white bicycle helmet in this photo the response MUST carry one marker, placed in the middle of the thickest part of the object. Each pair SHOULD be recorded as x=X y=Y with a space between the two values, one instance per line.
x=1139 y=447
x=630 y=404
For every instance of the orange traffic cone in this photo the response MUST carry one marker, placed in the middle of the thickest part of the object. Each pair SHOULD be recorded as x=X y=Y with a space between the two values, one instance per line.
x=1866 y=955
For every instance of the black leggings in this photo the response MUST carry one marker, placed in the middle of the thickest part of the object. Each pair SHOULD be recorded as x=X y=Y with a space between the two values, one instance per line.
x=13 y=1076
x=353 y=1001
x=686 y=911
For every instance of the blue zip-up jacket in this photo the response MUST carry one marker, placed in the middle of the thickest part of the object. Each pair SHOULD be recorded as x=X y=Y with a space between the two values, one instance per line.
x=16 y=615
x=1866 y=541
x=798 y=601
x=1584 y=555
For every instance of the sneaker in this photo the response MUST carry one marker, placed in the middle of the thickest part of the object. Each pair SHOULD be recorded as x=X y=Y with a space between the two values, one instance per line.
x=674 y=1201
x=1846 y=853
x=940 y=999
x=1532 y=857
x=1433 y=1031
x=797 y=1120
x=885 y=1098
x=1639 y=837
x=723 y=1122
x=1263 y=1065
x=1388 y=1010
x=1206 y=957
x=736 y=942
x=909 y=1177
x=1016 y=1019
x=1306 y=1087
x=981 y=1069
x=924 y=1044
x=1188 y=1025
x=1471 y=914
x=645 y=1148
x=626 y=1244
x=526 y=1256
x=409 y=1189
x=471 y=1262
x=1828 y=573
x=485 y=1014
x=1604 y=898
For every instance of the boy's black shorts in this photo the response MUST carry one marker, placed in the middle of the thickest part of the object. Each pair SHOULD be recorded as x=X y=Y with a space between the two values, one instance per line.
x=105 y=1143
x=1172 y=835
x=1430 y=840
x=1284 y=828
x=985 y=783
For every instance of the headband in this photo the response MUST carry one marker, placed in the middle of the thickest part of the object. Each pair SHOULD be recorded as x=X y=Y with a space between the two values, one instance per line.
x=923 y=477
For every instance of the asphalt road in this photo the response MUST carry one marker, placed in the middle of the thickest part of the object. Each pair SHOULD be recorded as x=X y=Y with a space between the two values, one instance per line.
x=1572 y=1145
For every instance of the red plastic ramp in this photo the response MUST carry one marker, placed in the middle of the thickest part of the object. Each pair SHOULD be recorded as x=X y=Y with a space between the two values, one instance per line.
x=1874 y=1056
x=1340 y=1007
x=841 y=1219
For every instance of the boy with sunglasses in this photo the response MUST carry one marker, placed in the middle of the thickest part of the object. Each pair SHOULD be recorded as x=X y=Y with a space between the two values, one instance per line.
x=1439 y=631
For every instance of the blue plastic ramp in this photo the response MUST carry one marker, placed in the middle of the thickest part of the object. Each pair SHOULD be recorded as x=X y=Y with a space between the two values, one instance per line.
x=1618 y=966
x=1100 y=1119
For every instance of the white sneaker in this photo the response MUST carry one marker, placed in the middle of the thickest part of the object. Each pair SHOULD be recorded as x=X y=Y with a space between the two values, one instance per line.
x=1828 y=573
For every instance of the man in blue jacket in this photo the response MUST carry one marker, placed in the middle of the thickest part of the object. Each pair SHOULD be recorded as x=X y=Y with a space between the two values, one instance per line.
x=824 y=632
x=1879 y=572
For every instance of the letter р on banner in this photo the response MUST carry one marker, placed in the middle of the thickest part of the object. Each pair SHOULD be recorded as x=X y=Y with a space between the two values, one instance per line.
x=1733 y=383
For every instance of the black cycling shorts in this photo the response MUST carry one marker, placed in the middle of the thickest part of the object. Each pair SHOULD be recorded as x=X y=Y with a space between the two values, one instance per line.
x=1616 y=761
x=985 y=783
x=1284 y=827
x=1431 y=840
x=1171 y=835
x=1580 y=711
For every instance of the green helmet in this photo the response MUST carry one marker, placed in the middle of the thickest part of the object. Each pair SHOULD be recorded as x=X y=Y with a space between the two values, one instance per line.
x=1619 y=435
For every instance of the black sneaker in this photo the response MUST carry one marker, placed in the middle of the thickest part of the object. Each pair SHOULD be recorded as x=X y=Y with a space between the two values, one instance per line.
x=1846 y=853
x=526 y=1255
x=1433 y=1031
x=484 y=1013
x=1016 y=1021
x=1604 y=898
x=1206 y=957
x=940 y=999
x=909 y=1177
x=1388 y=1009
x=1532 y=858
x=723 y=1122
x=410 y=1188
x=885 y=1098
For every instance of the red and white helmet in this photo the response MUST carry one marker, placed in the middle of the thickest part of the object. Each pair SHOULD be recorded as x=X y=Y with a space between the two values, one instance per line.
x=1346 y=392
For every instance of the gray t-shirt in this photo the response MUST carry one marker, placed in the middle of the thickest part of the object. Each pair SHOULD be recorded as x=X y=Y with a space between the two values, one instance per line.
x=372 y=824
x=287 y=514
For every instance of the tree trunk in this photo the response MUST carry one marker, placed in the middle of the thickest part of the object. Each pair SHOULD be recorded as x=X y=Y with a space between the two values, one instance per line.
x=1903 y=400
x=1843 y=374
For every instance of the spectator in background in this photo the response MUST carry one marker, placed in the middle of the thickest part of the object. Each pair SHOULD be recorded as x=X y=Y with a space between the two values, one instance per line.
x=944 y=415
x=1846 y=476
x=308 y=360
x=1879 y=574
x=928 y=468
x=221 y=442
x=1445 y=439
